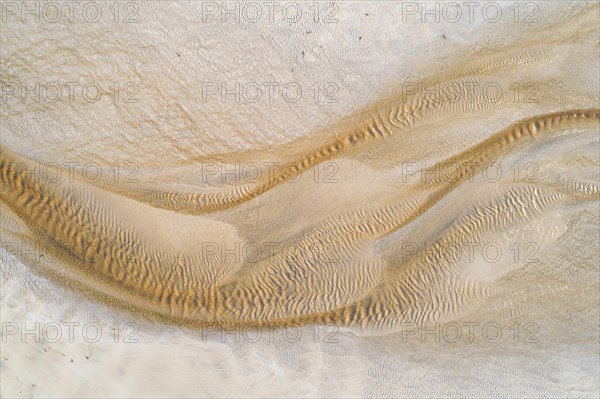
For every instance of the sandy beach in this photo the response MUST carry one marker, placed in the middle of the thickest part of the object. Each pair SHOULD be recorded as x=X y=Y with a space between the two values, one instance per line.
x=300 y=199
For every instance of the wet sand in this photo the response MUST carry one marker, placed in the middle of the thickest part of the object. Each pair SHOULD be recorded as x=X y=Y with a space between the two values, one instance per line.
x=433 y=232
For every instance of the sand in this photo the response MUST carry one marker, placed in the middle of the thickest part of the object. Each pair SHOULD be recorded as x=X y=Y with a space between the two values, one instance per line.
x=360 y=200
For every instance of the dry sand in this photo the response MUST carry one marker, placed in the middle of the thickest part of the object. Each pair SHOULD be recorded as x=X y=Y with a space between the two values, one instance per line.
x=352 y=199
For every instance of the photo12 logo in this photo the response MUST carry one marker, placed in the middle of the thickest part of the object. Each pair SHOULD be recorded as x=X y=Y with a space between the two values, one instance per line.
x=269 y=12
x=317 y=333
x=90 y=172
x=68 y=332
x=489 y=332
x=71 y=92
x=472 y=92
x=470 y=11
x=270 y=92
x=453 y=172
x=255 y=172
x=51 y=12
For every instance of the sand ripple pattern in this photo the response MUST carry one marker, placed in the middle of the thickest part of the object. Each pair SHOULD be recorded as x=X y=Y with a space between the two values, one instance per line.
x=141 y=247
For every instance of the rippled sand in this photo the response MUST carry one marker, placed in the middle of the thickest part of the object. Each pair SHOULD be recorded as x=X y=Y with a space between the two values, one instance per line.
x=432 y=232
